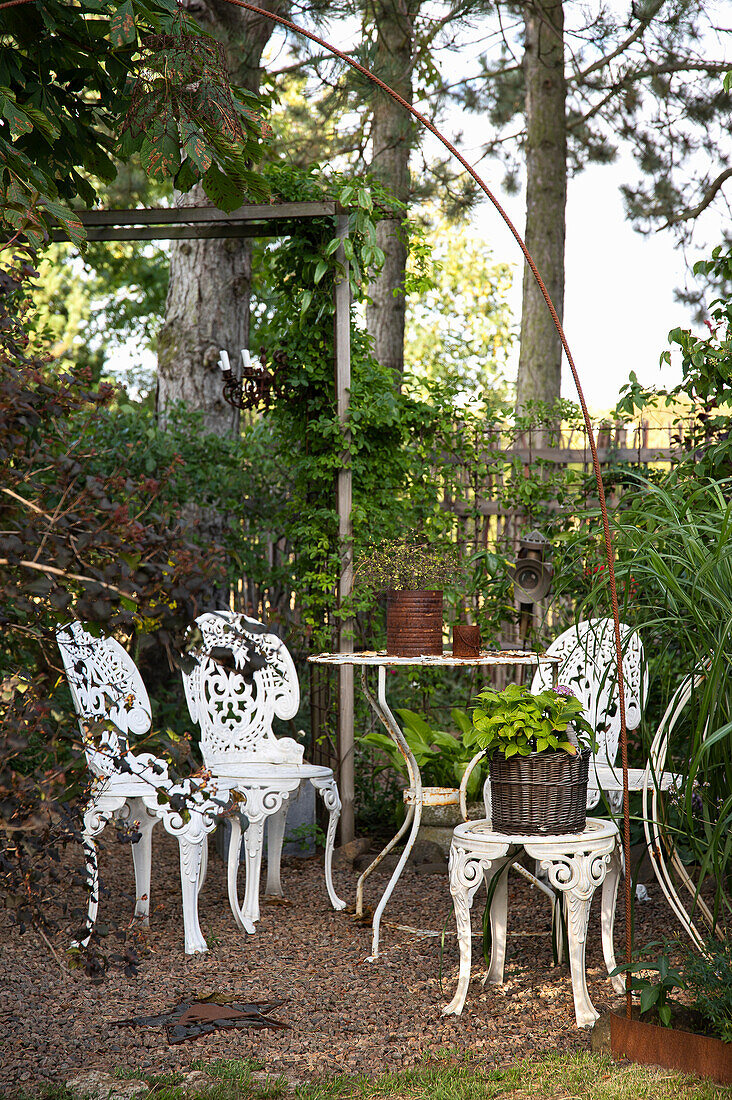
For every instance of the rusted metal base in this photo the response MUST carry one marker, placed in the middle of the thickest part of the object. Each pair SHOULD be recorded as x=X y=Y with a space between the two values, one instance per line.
x=414 y=623
x=671 y=1048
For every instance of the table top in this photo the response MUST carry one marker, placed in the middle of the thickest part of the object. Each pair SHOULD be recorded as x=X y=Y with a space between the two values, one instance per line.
x=487 y=657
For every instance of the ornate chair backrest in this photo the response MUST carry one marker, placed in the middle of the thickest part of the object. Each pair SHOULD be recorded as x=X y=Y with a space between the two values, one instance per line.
x=104 y=684
x=243 y=676
x=588 y=667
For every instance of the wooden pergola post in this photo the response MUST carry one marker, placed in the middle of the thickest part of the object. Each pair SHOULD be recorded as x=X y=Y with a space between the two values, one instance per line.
x=344 y=497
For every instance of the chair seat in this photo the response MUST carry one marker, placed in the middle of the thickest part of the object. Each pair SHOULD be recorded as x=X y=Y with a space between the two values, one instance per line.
x=260 y=772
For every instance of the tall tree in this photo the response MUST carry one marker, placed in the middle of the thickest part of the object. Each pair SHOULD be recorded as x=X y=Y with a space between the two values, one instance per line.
x=641 y=79
x=207 y=306
x=540 y=356
x=392 y=141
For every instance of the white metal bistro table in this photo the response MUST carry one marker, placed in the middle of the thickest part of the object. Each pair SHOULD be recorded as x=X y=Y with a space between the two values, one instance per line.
x=414 y=796
x=576 y=864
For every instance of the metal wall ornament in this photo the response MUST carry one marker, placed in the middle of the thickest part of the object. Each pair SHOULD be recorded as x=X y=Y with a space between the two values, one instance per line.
x=258 y=386
x=532 y=574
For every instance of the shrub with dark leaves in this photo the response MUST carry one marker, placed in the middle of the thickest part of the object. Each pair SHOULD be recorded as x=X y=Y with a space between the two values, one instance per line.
x=106 y=549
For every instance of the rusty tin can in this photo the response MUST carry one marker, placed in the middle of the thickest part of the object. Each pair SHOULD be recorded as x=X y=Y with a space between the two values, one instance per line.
x=414 y=623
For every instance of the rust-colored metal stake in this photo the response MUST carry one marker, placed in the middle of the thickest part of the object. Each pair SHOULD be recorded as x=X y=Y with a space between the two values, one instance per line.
x=583 y=405
x=585 y=414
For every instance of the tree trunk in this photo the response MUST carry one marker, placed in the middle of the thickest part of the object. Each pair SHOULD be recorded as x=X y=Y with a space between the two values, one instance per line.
x=207 y=308
x=540 y=358
x=392 y=140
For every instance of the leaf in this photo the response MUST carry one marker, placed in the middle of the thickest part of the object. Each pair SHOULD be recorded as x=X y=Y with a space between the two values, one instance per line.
x=68 y=219
x=122 y=30
x=221 y=190
x=196 y=148
x=186 y=176
x=17 y=119
x=320 y=271
x=648 y=997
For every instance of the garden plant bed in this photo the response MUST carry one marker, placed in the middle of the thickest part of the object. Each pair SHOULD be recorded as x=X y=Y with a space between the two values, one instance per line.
x=347 y=1016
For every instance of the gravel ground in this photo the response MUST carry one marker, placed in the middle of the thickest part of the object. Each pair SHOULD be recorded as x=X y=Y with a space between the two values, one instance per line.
x=346 y=1015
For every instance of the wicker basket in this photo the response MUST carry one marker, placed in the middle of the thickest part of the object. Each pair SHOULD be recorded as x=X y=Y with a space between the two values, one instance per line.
x=540 y=794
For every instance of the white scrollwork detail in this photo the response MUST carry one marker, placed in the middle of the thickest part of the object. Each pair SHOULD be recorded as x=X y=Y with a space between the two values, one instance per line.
x=589 y=667
x=234 y=702
x=577 y=876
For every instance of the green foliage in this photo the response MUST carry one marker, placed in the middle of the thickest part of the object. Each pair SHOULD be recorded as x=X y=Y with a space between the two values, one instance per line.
x=69 y=74
x=703 y=398
x=674 y=540
x=399 y=564
x=514 y=721
x=458 y=323
x=654 y=994
x=708 y=978
x=442 y=756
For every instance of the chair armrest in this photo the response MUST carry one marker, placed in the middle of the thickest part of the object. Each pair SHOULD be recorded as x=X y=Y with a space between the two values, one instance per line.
x=465 y=780
x=610 y=778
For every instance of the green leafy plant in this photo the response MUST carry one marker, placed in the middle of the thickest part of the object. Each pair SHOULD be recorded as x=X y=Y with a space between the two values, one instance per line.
x=709 y=978
x=441 y=756
x=304 y=835
x=654 y=994
x=514 y=721
x=400 y=564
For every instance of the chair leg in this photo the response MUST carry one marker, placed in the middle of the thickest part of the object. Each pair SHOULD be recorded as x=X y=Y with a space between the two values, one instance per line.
x=92 y=883
x=142 y=858
x=96 y=816
x=466 y=875
x=328 y=791
x=204 y=864
x=253 y=843
x=275 y=837
x=190 y=867
x=232 y=875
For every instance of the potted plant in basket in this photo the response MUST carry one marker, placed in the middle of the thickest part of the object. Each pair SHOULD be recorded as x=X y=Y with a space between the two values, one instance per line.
x=539 y=748
x=413 y=576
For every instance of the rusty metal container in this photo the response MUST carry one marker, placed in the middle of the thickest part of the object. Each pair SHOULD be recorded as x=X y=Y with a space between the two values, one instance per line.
x=414 y=623
x=465 y=640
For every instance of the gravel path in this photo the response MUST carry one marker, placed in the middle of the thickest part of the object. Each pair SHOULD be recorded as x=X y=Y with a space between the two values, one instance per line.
x=346 y=1015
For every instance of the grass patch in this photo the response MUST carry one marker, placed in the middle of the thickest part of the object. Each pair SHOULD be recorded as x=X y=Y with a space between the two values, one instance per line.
x=450 y=1075
x=581 y=1076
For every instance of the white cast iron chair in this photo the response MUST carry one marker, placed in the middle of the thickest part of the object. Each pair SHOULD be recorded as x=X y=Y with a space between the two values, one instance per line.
x=113 y=708
x=585 y=861
x=244 y=676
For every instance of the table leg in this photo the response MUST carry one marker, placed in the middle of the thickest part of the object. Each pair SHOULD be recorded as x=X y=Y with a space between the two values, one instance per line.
x=466 y=875
x=375 y=863
x=381 y=708
x=609 y=899
x=498 y=919
x=577 y=875
x=417 y=811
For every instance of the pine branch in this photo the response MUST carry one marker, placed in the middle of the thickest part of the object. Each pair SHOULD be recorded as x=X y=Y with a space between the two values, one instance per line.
x=639 y=31
x=708 y=197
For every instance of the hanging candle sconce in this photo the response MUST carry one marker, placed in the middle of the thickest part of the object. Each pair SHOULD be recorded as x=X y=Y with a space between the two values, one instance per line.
x=258 y=385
